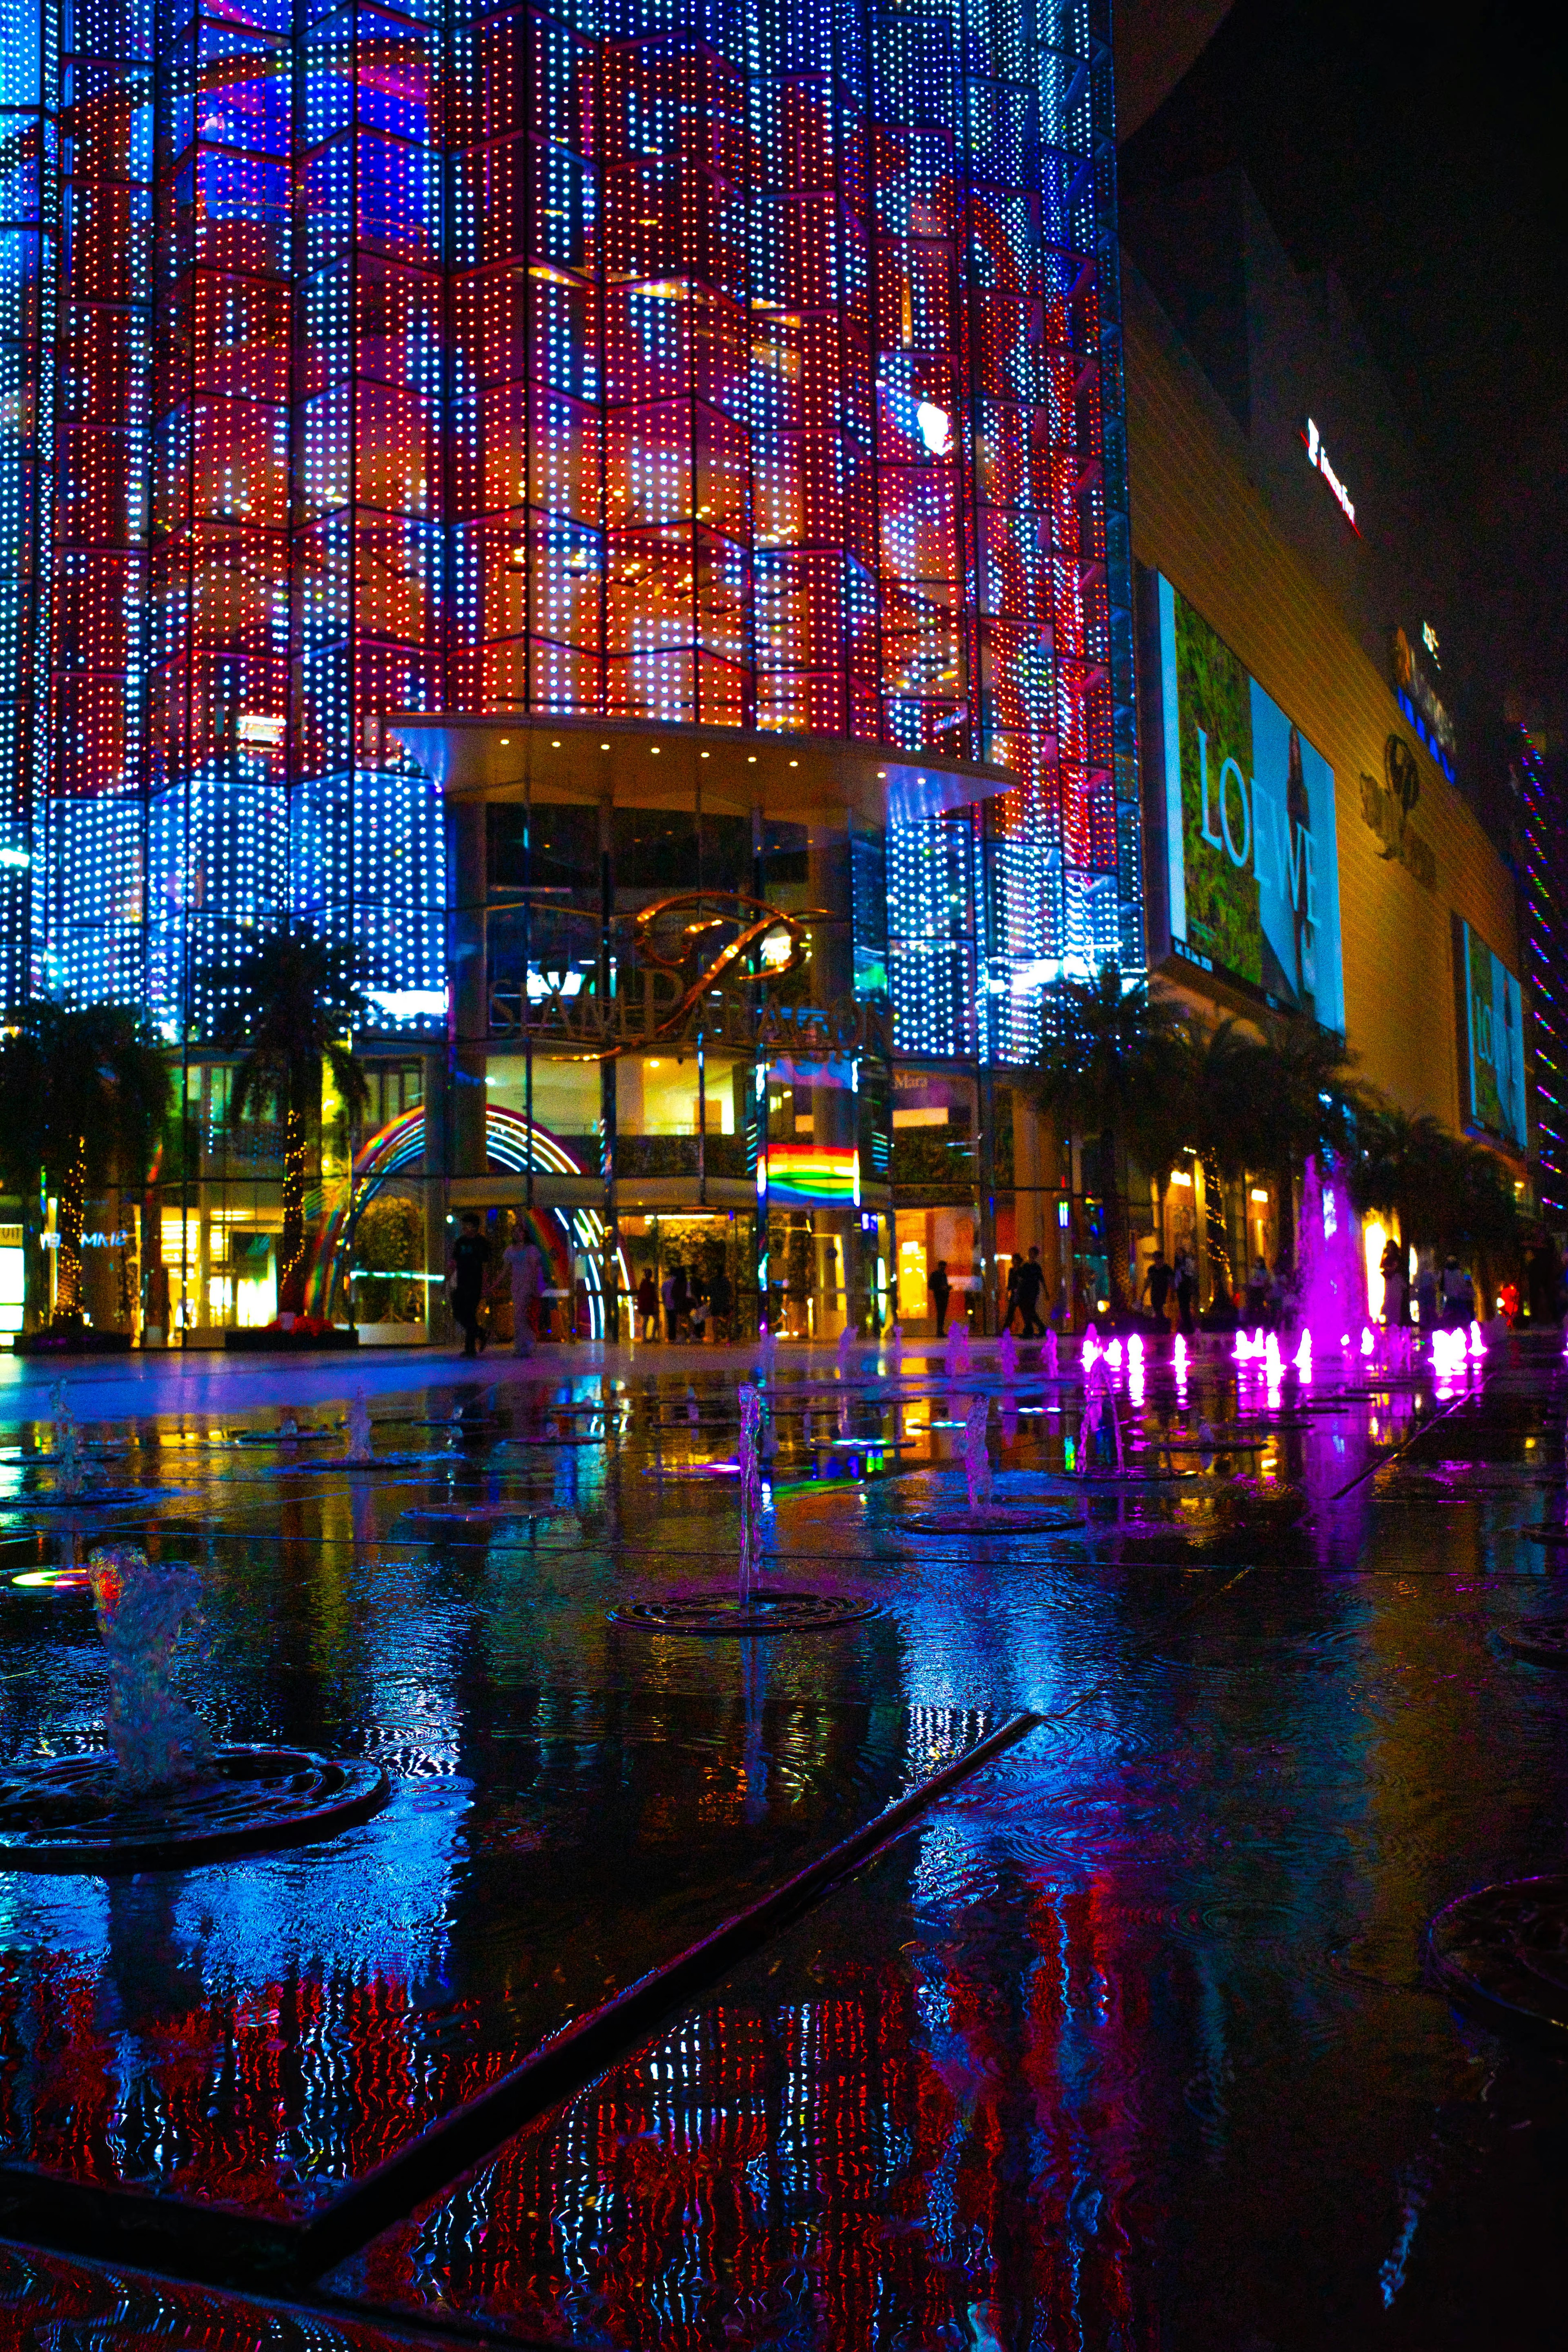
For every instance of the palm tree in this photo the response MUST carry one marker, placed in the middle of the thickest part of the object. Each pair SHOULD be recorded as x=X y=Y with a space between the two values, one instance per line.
x=1104 y=1073
x=288 y=1004
x=1443 y=1191
x=84 y=1091
x=1273 y=1102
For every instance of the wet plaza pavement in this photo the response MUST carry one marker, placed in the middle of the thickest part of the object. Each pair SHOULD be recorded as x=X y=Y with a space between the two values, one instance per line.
x=1126 y=2039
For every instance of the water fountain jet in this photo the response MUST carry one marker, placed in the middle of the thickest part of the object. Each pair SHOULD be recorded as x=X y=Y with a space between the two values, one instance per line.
x=161 y=1795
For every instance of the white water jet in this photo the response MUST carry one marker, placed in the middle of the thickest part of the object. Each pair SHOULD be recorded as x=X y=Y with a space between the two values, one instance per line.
x=359 y=1442
x=1050 y=1355
x=1099 y=1399
x=156 y=1741
x=978 y=1456
x=69 y=1469
x=957 y=1352
x=1007 y=1356
x=767 y=1348
x=749 y=1456
x=846 y=1351
x=895 y=1352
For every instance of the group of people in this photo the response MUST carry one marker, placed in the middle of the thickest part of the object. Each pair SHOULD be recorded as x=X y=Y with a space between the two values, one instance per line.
x=689 y=1310
x=468 y=1273
x=1164 y=1281
x=1445 y=1294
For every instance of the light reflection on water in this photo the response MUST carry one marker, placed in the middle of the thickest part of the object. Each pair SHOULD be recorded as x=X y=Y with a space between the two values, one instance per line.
x=1014 y=2083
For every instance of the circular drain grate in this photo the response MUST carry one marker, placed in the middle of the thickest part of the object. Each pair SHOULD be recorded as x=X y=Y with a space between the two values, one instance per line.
x=72 y=1815
x=999 y=1522
x=765 y=1611
x=1503 y=1951
x=1543 y=1639
x=476 y=1515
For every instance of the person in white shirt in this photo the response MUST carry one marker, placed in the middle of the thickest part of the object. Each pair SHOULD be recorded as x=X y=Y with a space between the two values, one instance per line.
x=525 y=1272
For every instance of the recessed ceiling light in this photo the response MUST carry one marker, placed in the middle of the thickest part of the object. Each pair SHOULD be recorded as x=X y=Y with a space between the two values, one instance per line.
x=751 y=759
x=794 y=763
x=604 y=747
x=506 y=738
x=555 y=746
x=654 y=748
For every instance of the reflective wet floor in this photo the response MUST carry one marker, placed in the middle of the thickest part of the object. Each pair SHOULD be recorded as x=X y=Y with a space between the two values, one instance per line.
x=1122 y=2040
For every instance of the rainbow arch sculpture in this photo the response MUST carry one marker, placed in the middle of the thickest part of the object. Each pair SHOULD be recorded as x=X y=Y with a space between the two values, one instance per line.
x=402 y=1143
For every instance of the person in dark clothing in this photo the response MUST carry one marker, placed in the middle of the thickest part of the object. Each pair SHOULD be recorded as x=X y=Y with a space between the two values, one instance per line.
x=1031 y=1282
x=1010 y=1304
x=470 y=1257
x=1257 y=1295
x=678 y=1306
x=720 y=1304
x=647 y=1304
x=1186 y=1291
x=938 y=1284
x=1157 y=1284
x=1544 y=1279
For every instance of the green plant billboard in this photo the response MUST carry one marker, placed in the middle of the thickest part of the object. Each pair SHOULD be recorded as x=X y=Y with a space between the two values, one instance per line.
x=1493 y=1049
x=1252 y=862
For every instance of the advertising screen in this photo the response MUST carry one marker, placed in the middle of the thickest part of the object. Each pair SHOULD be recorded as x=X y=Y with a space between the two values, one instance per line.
x=1492 y=1065
x=1251 y=855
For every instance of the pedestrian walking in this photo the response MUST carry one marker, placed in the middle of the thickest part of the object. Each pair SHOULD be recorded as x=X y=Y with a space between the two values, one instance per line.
x=647 y=1304
x=1031 y=1282
x=1157 y=1284
x=1186 y=1291
x=1257 y=1294
x=1010 y=1303
x=720 y=1304
x=1458 y=1292
x=1391 y=1266
x=524 y=1265
x=939 y=1286
x=471 y=1259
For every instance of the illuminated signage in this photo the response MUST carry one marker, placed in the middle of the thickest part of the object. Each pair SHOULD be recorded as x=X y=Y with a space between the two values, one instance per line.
x=1417 y=697
x=1318 y=455
x=1491 y=1039
x=1386 y=809
x=1250 y=849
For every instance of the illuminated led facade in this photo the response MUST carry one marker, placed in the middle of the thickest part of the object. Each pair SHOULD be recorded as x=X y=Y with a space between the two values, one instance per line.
x=1546 y=962
x=645 y=362
x=753 y=367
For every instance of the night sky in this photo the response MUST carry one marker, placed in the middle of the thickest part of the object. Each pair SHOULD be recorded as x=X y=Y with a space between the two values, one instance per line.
x=1419 y=153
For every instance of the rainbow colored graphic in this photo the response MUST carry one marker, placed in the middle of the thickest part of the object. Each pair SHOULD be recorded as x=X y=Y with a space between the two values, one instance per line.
x=804 y=1172
x=401 y=1143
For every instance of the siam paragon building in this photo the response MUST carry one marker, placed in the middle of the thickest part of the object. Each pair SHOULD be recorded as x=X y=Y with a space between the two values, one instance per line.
x=672 y=364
